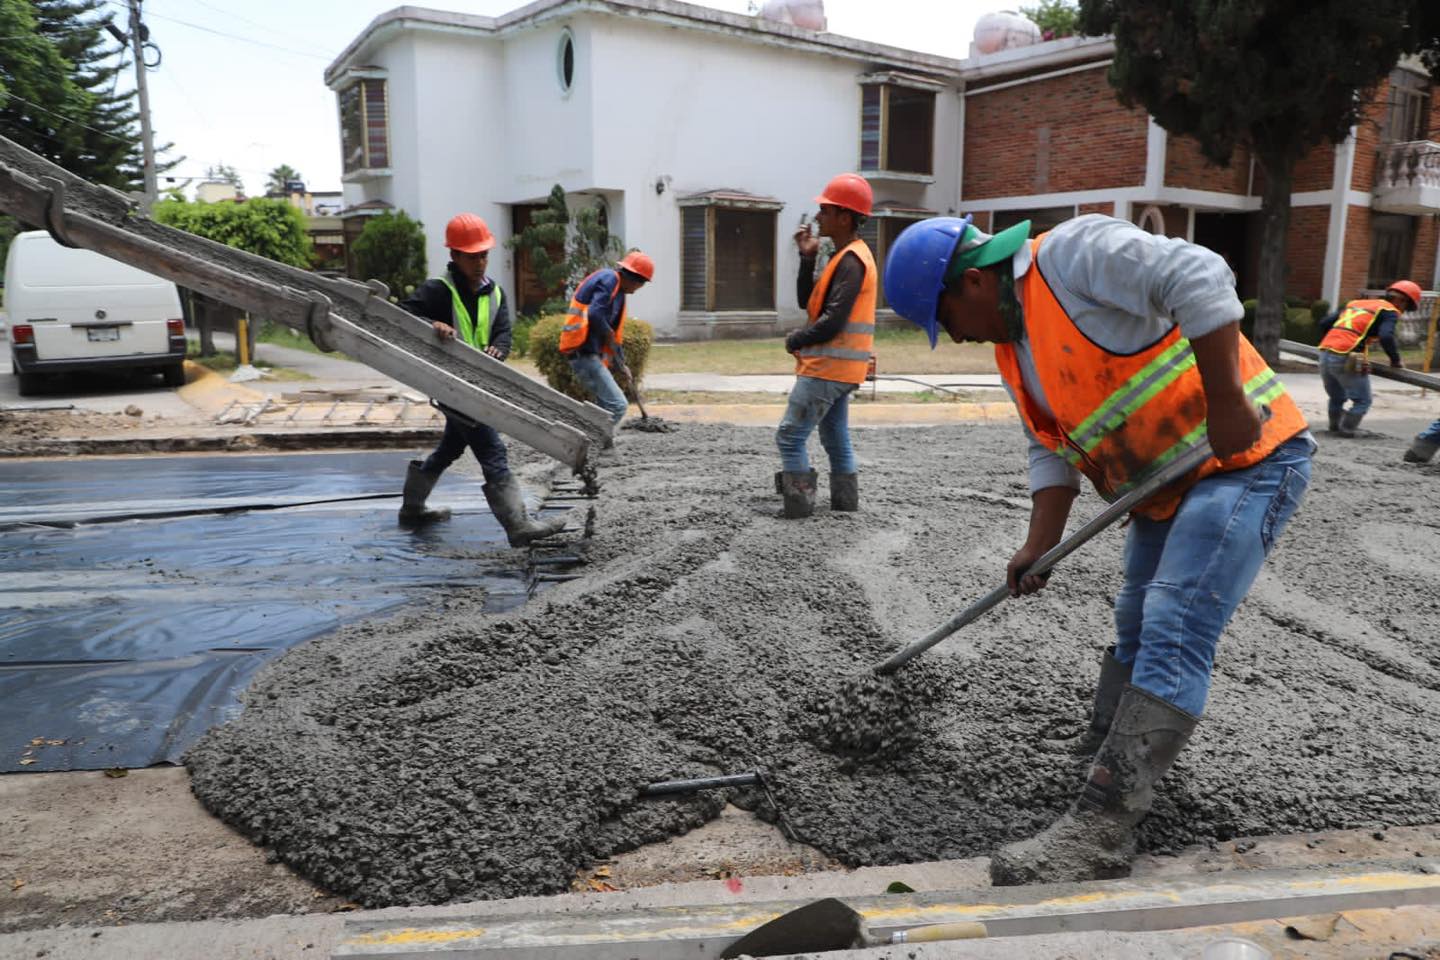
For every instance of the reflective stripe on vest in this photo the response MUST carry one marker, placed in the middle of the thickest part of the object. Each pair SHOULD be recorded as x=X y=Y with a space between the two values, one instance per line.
x=1353 y=326
x=1119 y=418
x=474 y=330
x=845 y=358
x=577 y=320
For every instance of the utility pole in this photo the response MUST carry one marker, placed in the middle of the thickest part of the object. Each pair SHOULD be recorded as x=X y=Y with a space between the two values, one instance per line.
x=147 y=136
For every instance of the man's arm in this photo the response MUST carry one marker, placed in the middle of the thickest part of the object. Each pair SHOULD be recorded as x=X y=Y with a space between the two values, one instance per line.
x=432 y=301
x=1385 y=333
x=601 y=314
x=500 y=329
x=840 y=298
x=1231 y=419
x=805 y=281
x=1049 y=509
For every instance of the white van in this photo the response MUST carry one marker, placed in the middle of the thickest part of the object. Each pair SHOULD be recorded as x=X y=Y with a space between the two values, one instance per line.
x=72 y=310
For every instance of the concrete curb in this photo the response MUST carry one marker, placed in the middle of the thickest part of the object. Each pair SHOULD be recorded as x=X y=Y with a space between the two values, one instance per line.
x=863 y=413
x=356 y=439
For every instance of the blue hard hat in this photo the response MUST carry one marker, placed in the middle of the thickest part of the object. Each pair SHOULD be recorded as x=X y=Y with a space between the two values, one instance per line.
x=915 y=269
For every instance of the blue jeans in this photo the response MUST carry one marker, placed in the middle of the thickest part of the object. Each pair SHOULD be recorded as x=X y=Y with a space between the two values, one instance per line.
x=1185 y=576
x=1430 y=434
x=823 y=402
x=483 y=441
x=1341 y=385
x=591 y=371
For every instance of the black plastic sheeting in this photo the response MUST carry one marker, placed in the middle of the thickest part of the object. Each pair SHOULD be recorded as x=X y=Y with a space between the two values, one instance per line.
x=121 y=642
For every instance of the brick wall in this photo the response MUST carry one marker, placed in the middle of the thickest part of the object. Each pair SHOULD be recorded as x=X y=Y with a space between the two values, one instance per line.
x=1106 y=208
x=1367 y=139
x=1186 y=167
x=1422 y=264
x=1356 y=264
x=1177 y=220
x=1315 y=170
x=1050 y=136
x=1305 y=251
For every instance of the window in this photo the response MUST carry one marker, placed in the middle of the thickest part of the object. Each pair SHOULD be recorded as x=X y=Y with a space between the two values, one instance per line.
x=880 y=231
x=727 y=246
x=364 y=126
x=1408 y=108
x=897 y=127
x=565 y=60
x=1392 y=239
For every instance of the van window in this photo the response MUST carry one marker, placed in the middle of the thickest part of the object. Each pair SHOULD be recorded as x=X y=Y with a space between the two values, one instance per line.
x=47 y=264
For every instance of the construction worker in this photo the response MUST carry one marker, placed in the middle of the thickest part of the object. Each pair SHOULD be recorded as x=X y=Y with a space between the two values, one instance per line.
x=467 y=303
x=1423 y=447
x=594 y=332
x=832 y=351
x=1345 y=351
x=1121 y=349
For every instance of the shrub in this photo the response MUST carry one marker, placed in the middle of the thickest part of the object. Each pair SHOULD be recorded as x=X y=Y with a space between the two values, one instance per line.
x=544 y=346
x=1292 y=301
x=520 y=328
x=392 y=248
x=1319 y=310
x=1300 y=326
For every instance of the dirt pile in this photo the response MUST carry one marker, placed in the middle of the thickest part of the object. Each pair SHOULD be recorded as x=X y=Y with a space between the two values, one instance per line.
x=448 y=754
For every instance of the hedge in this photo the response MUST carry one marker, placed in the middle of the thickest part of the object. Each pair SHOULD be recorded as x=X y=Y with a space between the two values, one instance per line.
x=545 y=351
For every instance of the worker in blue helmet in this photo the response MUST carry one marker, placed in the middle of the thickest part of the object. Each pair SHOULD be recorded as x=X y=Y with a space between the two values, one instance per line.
x=1122 y=349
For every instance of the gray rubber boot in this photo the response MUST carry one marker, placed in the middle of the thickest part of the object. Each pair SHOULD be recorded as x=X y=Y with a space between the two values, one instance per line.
x=1421 y=451
x=1334 y=423
x=418 y=485
x=780 y=482
x=508 y=505
x=1095 y=838
x=1114 y=677
x=1349 y=423
x=845 y=492
x=799 y=492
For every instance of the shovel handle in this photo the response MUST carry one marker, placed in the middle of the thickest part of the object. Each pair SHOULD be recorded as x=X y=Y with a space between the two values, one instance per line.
x=962 y=930
x=1163 y=477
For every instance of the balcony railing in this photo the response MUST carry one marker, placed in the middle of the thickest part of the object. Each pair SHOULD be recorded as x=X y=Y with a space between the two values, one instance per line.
x=1413 y=327
x=1407 y=178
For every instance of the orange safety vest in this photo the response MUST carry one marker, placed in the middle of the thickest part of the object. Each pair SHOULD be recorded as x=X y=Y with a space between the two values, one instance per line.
x=1120 y=417
x=577 y=321
x=1352 y=329
x=846 y=357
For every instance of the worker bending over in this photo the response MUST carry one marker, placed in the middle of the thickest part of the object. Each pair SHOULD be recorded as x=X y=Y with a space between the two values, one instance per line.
x=832 y=351
x=1121 y=349
x=594 y=332
x=1345 y=351
x=467 y=303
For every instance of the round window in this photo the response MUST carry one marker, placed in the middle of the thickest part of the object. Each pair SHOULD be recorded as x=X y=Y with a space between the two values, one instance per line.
x=565 y=60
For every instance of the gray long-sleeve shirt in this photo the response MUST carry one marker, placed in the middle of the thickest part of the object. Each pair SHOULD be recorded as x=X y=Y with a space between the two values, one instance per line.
x=1124 y=289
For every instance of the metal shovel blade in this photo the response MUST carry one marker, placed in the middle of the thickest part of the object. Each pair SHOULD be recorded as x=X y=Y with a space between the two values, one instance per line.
x=823 y=925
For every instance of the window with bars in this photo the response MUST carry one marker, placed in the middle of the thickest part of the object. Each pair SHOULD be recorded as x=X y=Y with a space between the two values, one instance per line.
x=727 y=258
x=364 y=126
x=1392 y=241
x=1407 y=115
x=897 y=129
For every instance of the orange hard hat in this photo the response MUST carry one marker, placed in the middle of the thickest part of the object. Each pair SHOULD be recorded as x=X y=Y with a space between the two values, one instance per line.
x=468 y=233
x=1410 y=288
x=639 y=264
x=848 y=190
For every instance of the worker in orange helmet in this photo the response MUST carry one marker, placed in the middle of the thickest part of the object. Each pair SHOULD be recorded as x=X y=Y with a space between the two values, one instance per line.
x=832 y=351
x=468 y=305
x=1345 y=350
x=594 y=332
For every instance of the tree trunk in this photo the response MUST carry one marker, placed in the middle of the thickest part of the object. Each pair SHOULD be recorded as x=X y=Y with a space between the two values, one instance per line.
x=1275 y=218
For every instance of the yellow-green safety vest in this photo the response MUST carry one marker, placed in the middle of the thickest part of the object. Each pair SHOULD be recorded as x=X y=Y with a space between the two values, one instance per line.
x=474 y=330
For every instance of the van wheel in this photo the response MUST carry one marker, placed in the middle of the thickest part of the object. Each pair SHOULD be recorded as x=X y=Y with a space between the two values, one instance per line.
x=28 y=384
x=174 y=375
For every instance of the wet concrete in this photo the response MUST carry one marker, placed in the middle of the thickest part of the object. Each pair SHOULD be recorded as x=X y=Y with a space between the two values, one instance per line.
x=448 y=754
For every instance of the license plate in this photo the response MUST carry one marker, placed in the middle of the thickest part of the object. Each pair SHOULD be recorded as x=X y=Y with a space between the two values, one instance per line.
x=102 y=334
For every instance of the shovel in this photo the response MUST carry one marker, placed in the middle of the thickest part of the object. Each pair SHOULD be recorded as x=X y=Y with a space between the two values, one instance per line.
x=1163 y=477
x=831 y=925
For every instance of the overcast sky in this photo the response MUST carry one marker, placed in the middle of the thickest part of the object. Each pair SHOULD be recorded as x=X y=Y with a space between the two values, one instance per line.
x=240 y=81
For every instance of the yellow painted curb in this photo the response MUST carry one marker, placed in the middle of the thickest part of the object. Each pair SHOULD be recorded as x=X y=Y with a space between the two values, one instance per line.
x=209 y=392
x=862 y=413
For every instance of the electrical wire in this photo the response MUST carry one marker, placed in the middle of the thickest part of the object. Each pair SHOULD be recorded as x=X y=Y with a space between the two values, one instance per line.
x=228 y=36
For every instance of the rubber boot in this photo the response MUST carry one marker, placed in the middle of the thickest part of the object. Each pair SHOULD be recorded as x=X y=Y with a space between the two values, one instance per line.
x=1349 y=423
x=508 y=506
x=799 y=492
x=1114 y=677
x=845 y=492
x=1421 y=451
x=1095 y=838
x=418 y=485
x=1334 y=423
x=780 y=482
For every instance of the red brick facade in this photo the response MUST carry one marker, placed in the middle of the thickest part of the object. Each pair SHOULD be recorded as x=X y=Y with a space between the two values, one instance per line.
x=1106 y=208
x=1422 y=264
x=1185 y=166
x=1305 y=251
x=1356 y=264
x=1005 y=157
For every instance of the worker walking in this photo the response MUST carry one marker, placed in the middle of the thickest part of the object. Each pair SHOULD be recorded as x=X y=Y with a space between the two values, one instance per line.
x=1121 y=349
x=1345 y=351
x=467 y=303
x=832 y=351
x=594 y=332
x=1423 y=447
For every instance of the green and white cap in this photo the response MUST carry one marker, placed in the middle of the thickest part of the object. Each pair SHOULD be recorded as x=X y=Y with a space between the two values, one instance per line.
x=976 y=248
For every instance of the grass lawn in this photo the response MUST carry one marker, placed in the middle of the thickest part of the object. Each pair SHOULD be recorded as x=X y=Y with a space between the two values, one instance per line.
x=897 y=351
x=283 y=336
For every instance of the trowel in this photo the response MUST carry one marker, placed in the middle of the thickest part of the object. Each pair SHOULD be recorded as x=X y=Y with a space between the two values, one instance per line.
x=831 y=925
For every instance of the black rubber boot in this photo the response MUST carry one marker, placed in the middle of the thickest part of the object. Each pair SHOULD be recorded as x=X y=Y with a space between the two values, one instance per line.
x=1349 y=423
x=418 y=485
x=1095 y=838
x=845 y=492
x=1334 y=423
x=1421 y=451
x=1114 y=677
x=799 y=492
x=508 y=506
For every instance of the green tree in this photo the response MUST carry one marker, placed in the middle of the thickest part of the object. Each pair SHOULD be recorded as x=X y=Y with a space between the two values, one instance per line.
x=224 y=173
x=584 y=238
x=281 y=175
x=1055 y=18
x=392 y=248
x=269 y=228
x=1274 y=77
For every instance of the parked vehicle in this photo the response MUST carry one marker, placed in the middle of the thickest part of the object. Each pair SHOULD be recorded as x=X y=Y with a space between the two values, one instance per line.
x=76 y=311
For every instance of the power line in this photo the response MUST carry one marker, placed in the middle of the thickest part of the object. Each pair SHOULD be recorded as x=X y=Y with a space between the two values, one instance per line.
x=230 y=36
